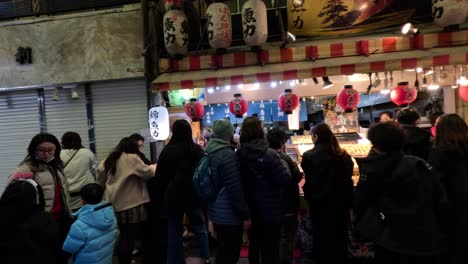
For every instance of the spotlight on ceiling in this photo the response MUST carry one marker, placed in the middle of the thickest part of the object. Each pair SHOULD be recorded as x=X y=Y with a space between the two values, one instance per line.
x=273 y=84
x=315 y=81
x=290 y=38
x=409 y=30
x=327 y=83
x=56 y=94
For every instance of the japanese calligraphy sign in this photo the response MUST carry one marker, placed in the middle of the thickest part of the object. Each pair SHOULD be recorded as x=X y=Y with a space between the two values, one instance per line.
x=331 y=17
x=254 y=23
x=219 y=25
x=159 y=122
x=176 y=33
x=449 y=12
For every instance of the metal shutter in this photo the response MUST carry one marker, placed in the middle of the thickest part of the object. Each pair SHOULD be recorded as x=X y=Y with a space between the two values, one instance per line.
x=67 y=114
x=119 y=110
x=19 y=123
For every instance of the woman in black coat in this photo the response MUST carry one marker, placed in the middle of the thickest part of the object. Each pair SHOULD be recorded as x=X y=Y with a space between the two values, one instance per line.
x=328 y=189
x=450 y=157
x=28 y=234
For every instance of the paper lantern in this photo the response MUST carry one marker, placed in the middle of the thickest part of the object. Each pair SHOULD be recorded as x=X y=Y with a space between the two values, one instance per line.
x=159 y=122
x=288 y=101
x=449 y=12
x=254 y=23
x=172 y=4
x=176 y=33
x=348 y=98
x=194 y=110
x=238 y=106
x=219 y=25
x=463 y=92
x=403 y=94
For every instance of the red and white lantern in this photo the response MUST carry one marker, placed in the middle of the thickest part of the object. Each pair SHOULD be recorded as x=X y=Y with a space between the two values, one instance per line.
x=288 y=101
x=403 y=94
x=348 y=98
x=194 y=110
x=176 y=33
x=463 y=92
x=449 y=12
x=238 y=106
x=254 y=23
x=219 y=25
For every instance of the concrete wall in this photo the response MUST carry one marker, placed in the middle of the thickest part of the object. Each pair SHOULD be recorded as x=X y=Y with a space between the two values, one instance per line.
x=74 y=48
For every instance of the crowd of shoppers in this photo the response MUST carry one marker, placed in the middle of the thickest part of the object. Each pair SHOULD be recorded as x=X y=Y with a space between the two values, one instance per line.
x=410 y=199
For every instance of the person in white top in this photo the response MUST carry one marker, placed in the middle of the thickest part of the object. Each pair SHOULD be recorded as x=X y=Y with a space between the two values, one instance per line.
x=80 y=166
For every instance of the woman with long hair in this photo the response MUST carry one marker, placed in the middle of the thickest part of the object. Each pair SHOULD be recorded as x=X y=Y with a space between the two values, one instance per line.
x=264 y=176
x=177 y=164
x=450 y=156
x=328 y=189
x=124 y=175
x=29 y=235
x=79 y=166
x=46 y=168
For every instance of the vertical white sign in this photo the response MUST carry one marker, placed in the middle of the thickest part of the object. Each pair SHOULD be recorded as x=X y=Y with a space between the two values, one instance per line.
x=159 y=122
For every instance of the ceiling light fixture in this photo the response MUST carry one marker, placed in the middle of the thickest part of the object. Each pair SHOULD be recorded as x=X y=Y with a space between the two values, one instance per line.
x=327 y=83
x=273 y=84
x=210 y=90
x=409 y=30
x=315 y=81
x=56 y=94
x=385 y=90
x=290 y=38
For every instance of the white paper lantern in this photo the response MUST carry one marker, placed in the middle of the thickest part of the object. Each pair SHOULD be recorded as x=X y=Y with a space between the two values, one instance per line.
x=159 y=122
x=219 y=25
x=449 y=12
x=254 y=23
x=176 y=33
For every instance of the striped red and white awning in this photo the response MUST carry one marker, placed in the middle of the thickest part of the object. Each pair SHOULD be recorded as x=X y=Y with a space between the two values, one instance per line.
x=346 y=58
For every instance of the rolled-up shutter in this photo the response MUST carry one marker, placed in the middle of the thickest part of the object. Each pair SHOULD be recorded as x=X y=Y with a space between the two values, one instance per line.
x=119 y=110
x=67 y=114
x=19 y=123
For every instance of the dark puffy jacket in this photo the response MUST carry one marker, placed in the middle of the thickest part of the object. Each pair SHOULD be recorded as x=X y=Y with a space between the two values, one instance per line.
x=453 y=167
x=230 y=207
x=264 y=176
x=291 y=192
x=418 y=142
x=408 y=192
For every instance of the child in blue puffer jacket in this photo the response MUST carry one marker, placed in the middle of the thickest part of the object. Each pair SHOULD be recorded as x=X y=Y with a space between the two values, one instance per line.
x=92 y=236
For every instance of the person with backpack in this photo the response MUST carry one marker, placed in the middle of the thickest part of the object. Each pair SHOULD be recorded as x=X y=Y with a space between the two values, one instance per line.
x=399 y=201
x=265 y=176
x=92 y=236
x=328 y=190
x=450 y=156
x=227 y=210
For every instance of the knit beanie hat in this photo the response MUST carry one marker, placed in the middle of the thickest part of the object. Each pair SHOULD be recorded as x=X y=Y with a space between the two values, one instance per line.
x=222 y=129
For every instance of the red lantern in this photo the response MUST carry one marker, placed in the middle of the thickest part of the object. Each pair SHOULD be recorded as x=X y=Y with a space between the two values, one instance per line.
x=238 y=106
x=348 y=98
x=463 y=92
x=403 y=94
x=194 y=110
x=288 y=101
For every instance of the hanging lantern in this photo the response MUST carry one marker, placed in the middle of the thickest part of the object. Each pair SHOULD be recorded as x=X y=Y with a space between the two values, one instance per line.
x=463 y=92
x=219 y=25
x=194 y=110
x=348 y=98
x=238 y=106
x=172 y=4
x=403 y=94
x=159 y=122
x=449 y=12
x=176 y=33
x=254 y=23
x=288 y=101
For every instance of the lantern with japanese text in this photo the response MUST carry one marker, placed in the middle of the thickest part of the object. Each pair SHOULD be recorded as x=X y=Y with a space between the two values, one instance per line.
x=449 y=12
x=348 y=98
x=172 y=4
x=463 y=92
x=159 y=122
x=254 y=23
x=403 y=94
x=219 y=26
x=194 y=110
x=238 y=106
x=176 y=33
x=288 y=101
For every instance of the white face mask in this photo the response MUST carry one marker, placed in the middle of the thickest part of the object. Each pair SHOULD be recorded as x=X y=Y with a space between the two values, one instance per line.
x=51 y=159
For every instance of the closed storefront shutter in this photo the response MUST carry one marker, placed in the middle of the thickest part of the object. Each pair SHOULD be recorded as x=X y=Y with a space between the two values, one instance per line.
x=119 y=110
x=19 y=123
x=67 y=114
